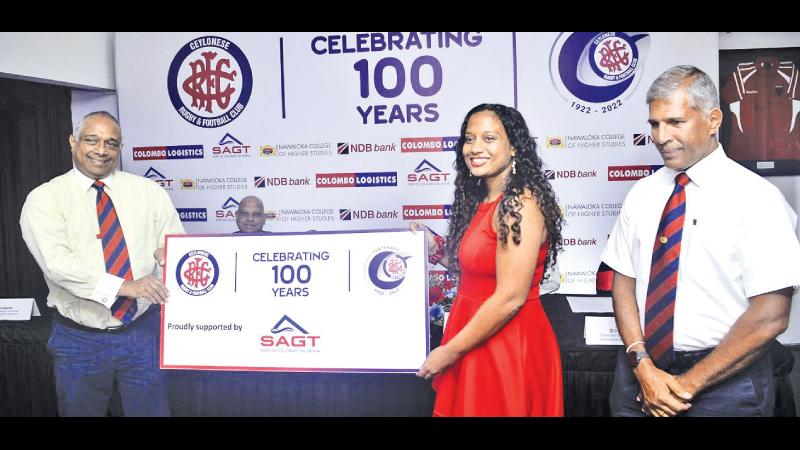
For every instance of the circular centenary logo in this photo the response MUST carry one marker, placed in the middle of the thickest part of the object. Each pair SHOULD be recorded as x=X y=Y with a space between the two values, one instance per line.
x=592 y=67
x=197 y=272
x=209 y=81
x=387 y=269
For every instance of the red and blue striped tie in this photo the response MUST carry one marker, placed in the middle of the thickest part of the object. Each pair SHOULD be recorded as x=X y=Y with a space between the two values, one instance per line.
x=660 y=304
x=115 y=252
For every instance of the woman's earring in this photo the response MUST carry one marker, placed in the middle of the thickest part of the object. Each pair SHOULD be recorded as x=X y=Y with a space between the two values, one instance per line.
x=513 y=166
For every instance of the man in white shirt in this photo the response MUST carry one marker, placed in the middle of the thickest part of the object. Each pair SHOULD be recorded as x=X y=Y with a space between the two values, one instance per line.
x=92 y=269
x=725 y=261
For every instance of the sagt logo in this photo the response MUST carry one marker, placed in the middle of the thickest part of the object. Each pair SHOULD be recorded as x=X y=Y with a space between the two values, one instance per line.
x=386 y=269
x=228 y=210
x=159 y=178
x=230 y=146
x=597 y=71
x=287 y=324
x=230 y=203
x=229 y=139
x=209 y=81
x=197 y=272
x=296 y=337
x=426 y=173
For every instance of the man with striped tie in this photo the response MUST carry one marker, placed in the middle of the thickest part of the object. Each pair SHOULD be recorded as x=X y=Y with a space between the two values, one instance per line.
x=97 y=233
x=705 y=261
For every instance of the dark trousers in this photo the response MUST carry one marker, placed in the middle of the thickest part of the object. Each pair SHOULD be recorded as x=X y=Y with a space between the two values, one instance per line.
x=88 y=365
x=748 y=393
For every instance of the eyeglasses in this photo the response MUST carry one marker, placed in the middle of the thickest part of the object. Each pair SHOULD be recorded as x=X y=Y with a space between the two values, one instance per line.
x=249 y=215
x=110 y=144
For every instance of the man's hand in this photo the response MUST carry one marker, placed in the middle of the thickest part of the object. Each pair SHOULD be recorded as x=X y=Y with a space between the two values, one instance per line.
x=159 y=256
x=147 y=287
x=689 y=383
x=662 y=395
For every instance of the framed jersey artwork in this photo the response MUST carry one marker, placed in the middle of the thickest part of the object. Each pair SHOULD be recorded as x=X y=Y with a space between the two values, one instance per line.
x=760 y=100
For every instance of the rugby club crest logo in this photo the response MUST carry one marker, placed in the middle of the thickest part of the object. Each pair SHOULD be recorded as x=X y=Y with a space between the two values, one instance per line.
x=197 y=272
x=387 y=269
x=209 y=81
x=595 y=72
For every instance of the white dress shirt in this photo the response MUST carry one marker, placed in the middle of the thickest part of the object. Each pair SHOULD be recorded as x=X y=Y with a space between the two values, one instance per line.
x=59 y=225
x=738 y=242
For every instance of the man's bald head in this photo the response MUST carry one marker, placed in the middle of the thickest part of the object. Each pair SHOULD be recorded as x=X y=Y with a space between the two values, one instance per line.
x=251 y=201
x=250 y=216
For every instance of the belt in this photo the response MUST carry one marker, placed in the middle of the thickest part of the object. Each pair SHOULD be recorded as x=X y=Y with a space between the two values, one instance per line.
x=685 y=360
x=69 y=323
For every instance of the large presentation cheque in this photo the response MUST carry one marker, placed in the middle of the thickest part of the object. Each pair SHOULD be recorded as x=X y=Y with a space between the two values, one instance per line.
x=319 y=301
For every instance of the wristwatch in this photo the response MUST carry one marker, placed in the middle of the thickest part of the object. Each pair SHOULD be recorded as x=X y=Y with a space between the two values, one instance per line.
x=635 y=357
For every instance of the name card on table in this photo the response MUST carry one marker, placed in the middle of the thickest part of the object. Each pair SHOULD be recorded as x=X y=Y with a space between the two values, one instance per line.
x=601 y=331
x=18 y=308
x=353 y=301
x=590 y=304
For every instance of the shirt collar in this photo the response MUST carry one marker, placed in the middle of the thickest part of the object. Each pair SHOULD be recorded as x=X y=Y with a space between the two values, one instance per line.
x=707 y=169
x=86 y=183
x=704 y=171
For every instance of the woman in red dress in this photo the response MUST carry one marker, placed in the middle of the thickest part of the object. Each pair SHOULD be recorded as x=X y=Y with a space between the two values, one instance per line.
x=499 y=355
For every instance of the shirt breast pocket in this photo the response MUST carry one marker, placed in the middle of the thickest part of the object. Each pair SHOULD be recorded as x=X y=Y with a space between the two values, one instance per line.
x=707 y=249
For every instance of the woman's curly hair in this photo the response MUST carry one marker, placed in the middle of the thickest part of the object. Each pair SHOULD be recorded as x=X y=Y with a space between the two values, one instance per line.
x=471 y=190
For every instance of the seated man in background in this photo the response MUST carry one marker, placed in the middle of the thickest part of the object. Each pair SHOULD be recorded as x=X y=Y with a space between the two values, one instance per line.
x=250 y=216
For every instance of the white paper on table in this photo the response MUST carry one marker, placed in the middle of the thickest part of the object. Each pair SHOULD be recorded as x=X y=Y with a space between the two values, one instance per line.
x=601 y=331
x=18 y=308
x=590 y=304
